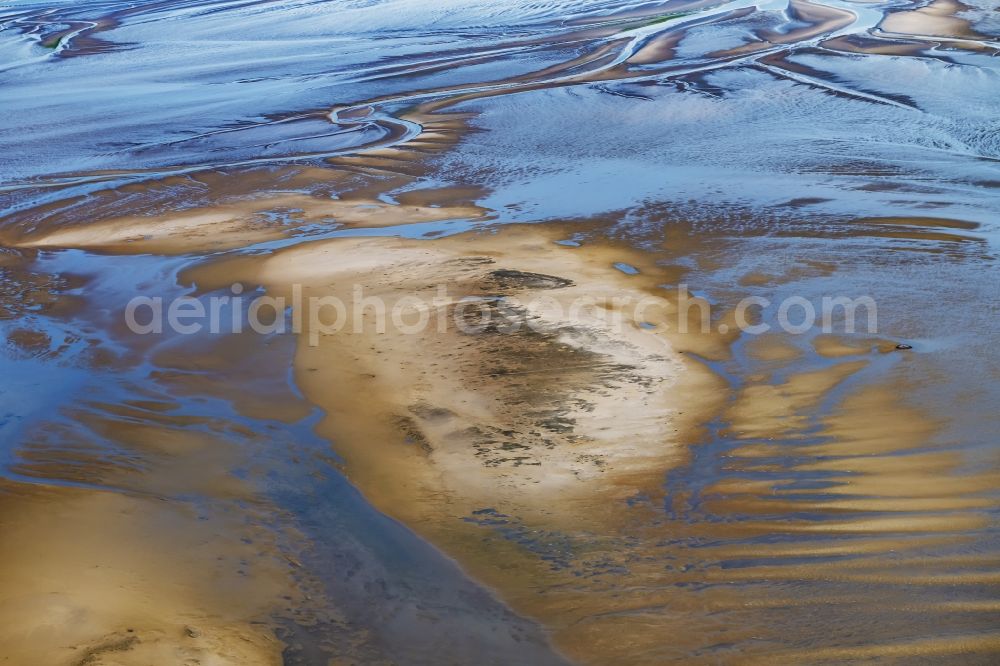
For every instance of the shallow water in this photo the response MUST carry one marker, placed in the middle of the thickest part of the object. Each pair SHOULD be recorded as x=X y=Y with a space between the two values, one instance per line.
x=838 y=504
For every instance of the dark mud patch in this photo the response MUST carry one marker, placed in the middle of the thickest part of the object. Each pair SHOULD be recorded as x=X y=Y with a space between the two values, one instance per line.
x=511 y=279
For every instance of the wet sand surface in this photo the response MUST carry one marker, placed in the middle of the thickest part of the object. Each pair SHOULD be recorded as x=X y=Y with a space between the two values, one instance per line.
x=596 y=483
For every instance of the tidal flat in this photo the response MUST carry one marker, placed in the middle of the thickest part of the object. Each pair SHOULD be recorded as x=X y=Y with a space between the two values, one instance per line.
x=515 y=332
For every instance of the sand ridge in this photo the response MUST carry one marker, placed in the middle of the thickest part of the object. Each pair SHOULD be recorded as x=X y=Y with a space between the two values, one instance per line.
x=535 y=418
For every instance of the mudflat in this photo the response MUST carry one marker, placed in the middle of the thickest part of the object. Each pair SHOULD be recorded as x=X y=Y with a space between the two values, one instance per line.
x=499 y=333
